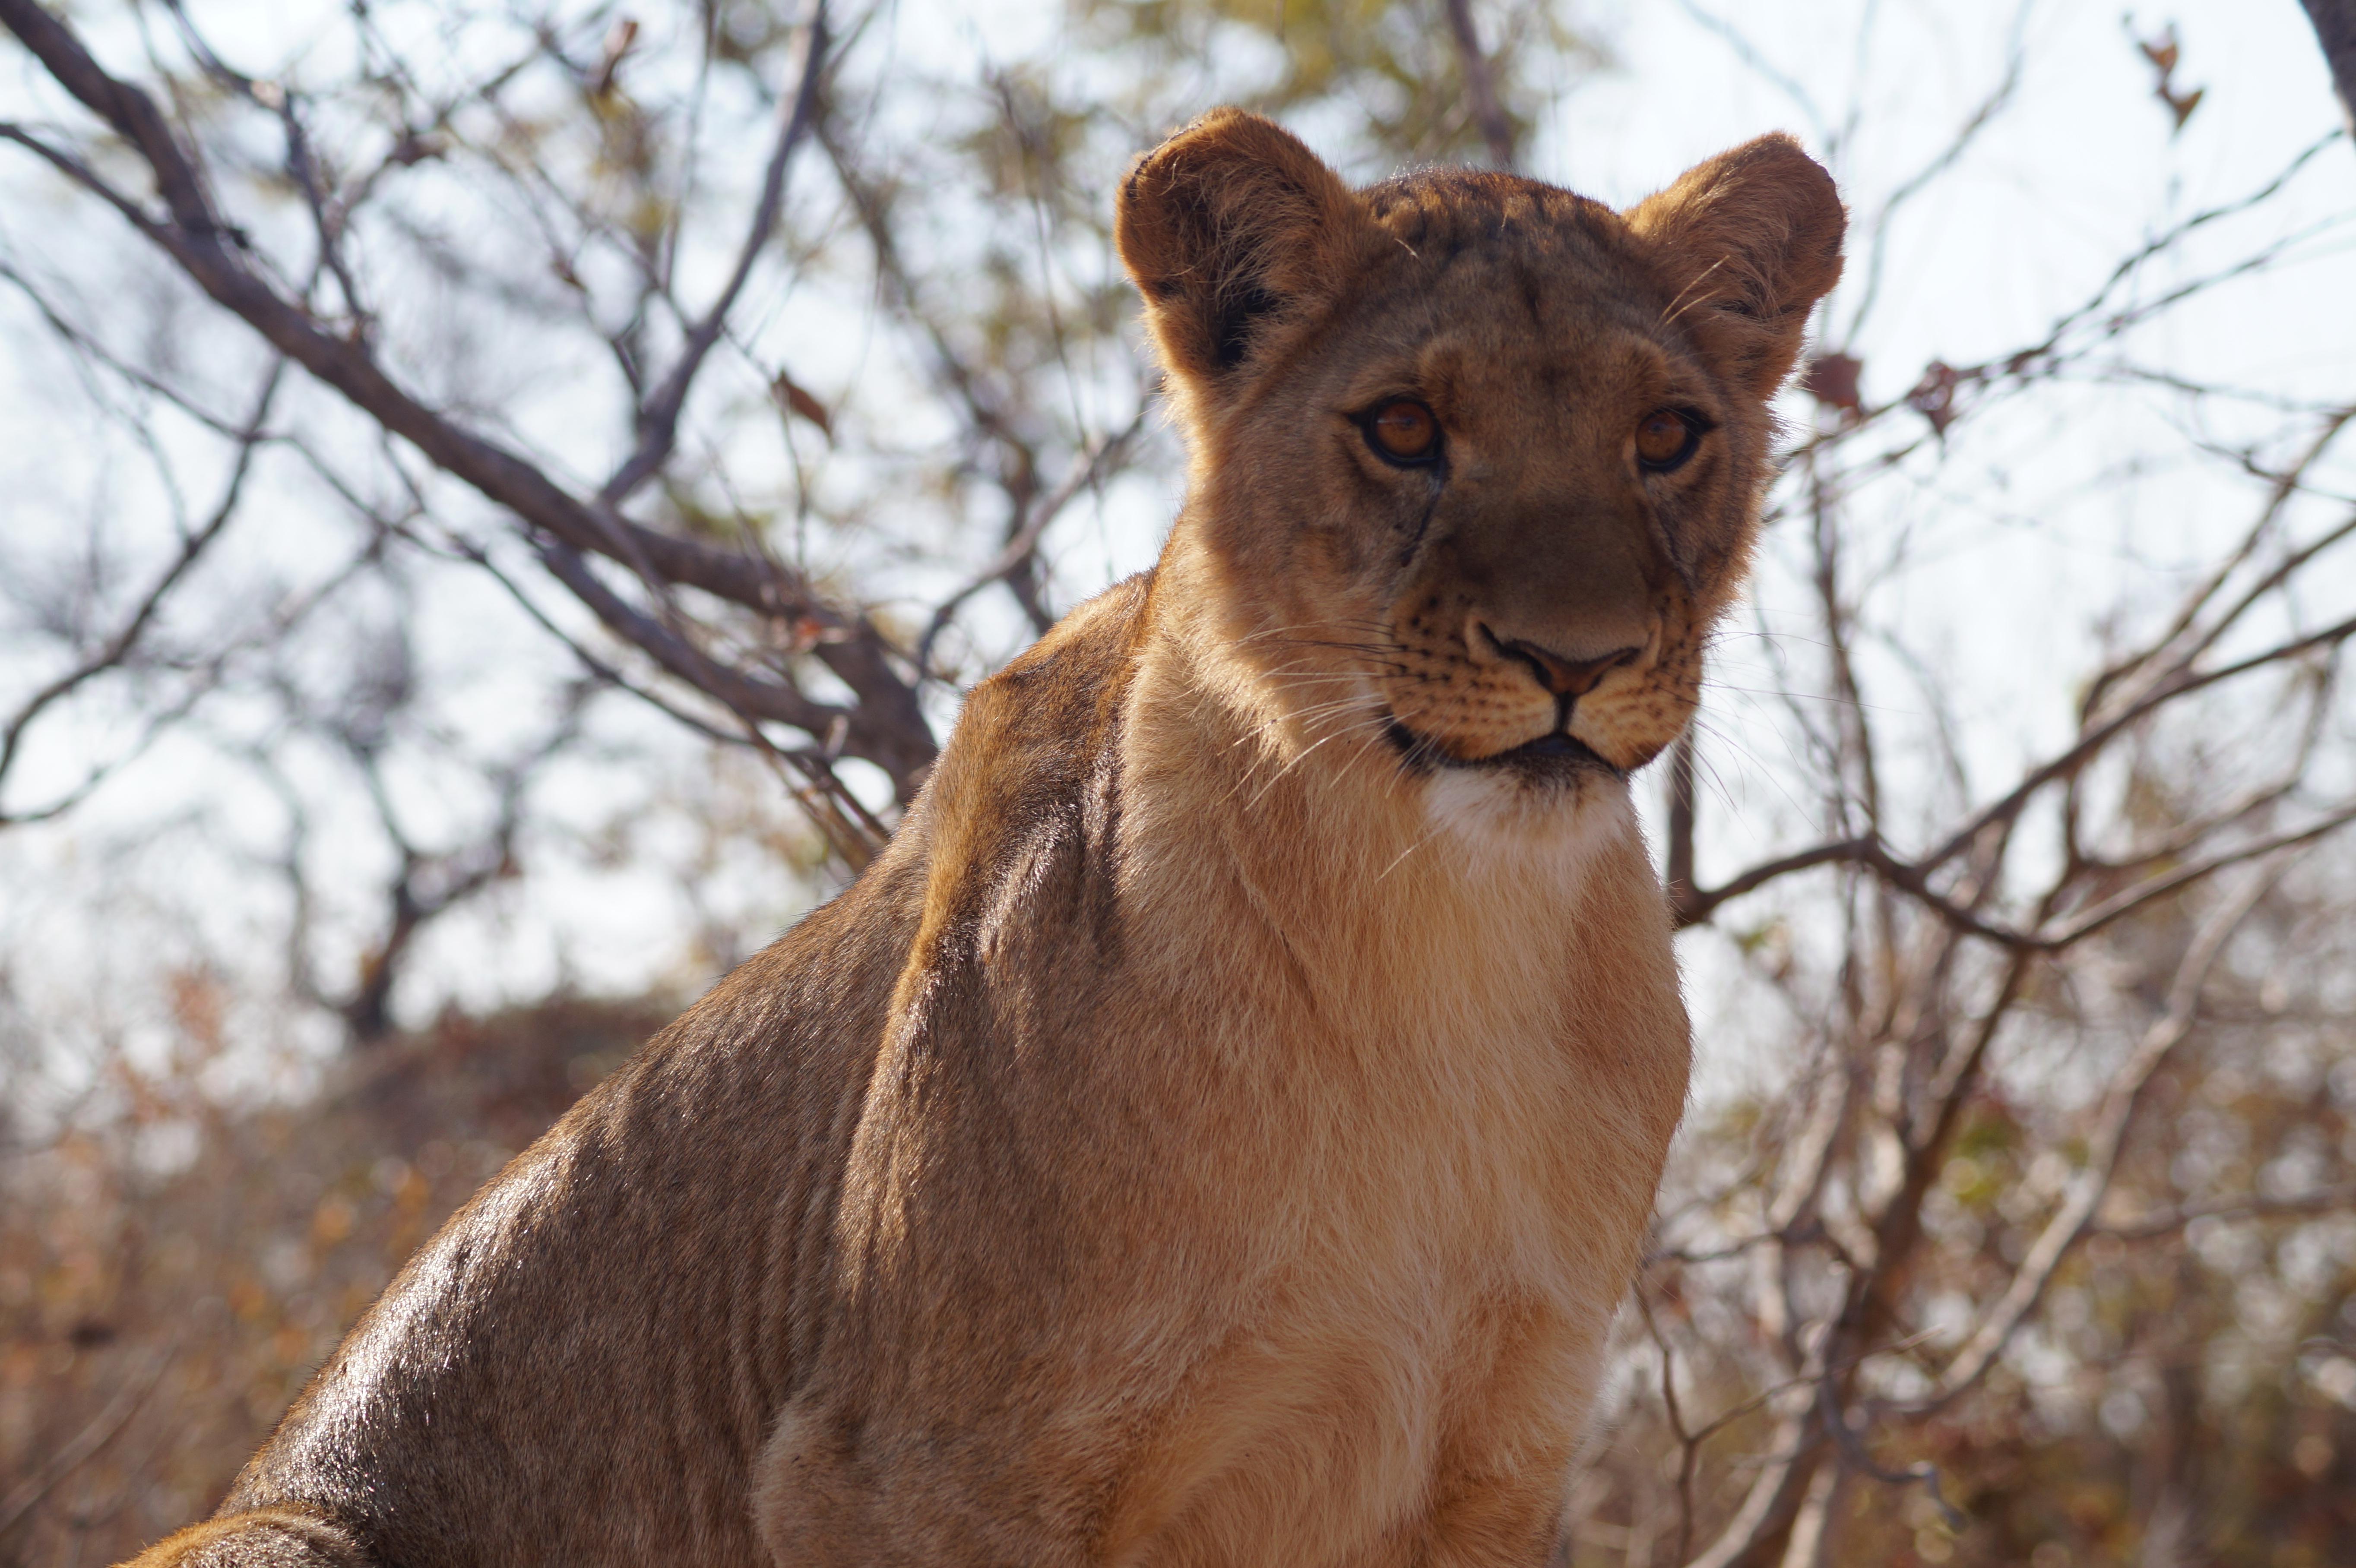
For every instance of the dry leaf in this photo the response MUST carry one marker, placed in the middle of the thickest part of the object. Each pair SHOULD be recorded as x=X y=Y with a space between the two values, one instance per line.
x=797 y=398
x=1933 y=396
x=2163 y=52
x=1832 y=380
x=619 y=44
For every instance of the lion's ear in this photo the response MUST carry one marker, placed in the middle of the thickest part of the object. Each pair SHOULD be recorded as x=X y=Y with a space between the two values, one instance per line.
x=1233 y=229
x=1750 y=241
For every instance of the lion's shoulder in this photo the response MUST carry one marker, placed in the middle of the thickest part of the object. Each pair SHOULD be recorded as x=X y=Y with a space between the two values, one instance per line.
x=1034 y=739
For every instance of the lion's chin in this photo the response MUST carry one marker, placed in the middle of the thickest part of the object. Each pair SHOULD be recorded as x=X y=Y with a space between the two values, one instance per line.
x=1517 y=824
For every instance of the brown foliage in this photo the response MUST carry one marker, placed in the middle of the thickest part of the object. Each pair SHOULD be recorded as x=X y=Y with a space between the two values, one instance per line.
x=152 y=1326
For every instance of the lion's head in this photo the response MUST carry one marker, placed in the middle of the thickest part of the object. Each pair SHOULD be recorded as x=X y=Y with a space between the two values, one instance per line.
x=1476 y=461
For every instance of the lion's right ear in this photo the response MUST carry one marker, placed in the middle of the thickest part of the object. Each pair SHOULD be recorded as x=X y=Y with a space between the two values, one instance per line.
x=1233 y=230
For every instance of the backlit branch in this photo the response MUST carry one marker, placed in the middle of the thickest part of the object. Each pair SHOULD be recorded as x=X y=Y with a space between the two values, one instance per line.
x=885 y=726
x=119 y=649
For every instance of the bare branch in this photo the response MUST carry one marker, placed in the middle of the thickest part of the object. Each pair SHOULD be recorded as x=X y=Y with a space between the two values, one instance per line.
x=2103 y=1142
x=115 y=650
x=1754 y=1536
x=1102 y=459
x=2335 y=29
x=2252 y=1205
x=1906 y=190
x=2061 y=345
x=1701 y=904
x=756 y=698
x=1688 y=1442
x=2092 y=740
x=429 y=886
x=1481 y=86
x=2281 y=488
x=887 y=726
x=2145 y=892
x=659 y=419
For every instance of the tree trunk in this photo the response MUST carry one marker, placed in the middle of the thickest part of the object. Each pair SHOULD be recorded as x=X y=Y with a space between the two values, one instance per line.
x=2335 y=26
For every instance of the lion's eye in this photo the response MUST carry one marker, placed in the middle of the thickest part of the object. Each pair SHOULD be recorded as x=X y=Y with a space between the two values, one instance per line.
x=1404 y=430
x=1665 y=439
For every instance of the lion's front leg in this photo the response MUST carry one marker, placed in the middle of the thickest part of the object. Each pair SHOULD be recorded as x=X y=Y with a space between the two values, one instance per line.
x=1505 y=1465
x=829 y=1493
x=1498 y=1521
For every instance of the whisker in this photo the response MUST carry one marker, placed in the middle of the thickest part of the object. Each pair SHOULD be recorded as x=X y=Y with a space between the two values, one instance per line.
x=1295 y=763
x=1345 y=623
x=1400 y=858
x=1787 y=696
x=1734 y=743
x=1677 y=307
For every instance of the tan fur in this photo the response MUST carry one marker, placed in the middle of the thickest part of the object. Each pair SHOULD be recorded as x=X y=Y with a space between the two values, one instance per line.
x=1219 y=1128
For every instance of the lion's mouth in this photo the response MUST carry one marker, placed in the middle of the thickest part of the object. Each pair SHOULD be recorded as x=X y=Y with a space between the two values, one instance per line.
x=1551 y=755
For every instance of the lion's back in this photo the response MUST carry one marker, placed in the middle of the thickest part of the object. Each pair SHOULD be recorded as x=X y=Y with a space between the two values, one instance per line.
x=584 y=1360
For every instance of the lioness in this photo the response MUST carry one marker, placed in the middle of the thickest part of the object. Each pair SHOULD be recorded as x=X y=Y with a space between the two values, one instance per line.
x=1219 y=1128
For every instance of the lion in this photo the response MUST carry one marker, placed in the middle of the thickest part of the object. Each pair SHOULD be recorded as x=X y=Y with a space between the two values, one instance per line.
x=1220 y=1127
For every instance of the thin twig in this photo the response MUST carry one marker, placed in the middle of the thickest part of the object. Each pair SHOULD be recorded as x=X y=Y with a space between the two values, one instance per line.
x=2104 y=1143
x=886 y=727
x=659 y=419
x=1481 y=87
x=112 y=653
x=80 y=1448
x=1085 y=475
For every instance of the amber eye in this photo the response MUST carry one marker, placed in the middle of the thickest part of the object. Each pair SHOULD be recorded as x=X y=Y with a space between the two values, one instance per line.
x=1665 y=439
x=1405 y=432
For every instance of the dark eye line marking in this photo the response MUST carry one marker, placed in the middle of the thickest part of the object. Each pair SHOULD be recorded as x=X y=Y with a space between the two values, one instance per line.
x=1698 y=425
x=1422 y=525
x=1367 y=419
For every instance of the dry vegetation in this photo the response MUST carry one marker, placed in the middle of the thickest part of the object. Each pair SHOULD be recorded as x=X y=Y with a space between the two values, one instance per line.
x=2027 y=1235
x=157 y=1322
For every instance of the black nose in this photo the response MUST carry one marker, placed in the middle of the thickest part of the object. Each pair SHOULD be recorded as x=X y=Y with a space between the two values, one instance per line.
x=1563 y=677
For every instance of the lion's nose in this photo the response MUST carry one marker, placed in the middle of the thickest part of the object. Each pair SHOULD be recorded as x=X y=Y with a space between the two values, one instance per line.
x=1563 y=676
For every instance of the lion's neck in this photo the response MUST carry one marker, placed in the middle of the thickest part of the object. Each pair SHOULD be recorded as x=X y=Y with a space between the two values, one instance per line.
x=1390 y=897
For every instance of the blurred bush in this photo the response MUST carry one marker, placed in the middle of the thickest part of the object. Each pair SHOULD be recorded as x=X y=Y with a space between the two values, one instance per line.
x=167 y=1286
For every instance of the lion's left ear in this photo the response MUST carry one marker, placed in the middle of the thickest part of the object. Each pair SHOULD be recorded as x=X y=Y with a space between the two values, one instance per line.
x=1749 y=241
x=1233 y=230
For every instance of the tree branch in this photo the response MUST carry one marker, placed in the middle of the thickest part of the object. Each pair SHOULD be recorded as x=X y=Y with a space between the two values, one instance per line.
x=2335 y=29
x=658 y=420
x=2103 y=1142
x=887 y=727
x=1020 y=550
x=1481 y=86
x=2254 y=1205
x=755 y=699
x=117 y=648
